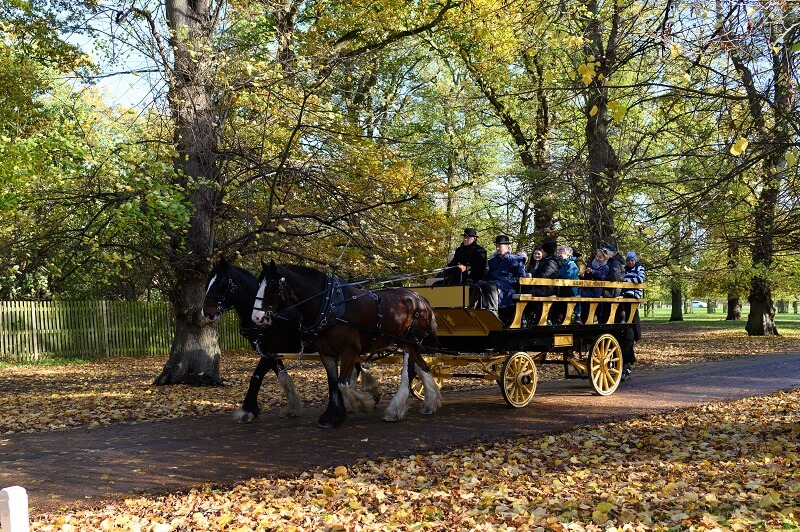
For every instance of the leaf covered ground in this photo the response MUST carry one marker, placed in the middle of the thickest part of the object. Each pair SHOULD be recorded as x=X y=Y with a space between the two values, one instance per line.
x=726 y=466
x=722 y=466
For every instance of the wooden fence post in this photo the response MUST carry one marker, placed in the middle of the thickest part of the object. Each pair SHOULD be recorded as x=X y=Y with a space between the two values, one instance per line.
x=14 y=509
x=104 y=312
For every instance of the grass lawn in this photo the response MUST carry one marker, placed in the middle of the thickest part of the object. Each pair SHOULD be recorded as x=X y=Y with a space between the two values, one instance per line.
x=788 y=324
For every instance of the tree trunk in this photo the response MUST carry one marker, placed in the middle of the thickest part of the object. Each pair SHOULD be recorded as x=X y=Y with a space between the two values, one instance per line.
x=761 y=320
x=602 y=159
x=734 y=309
x=194 y=355
x=677 y=305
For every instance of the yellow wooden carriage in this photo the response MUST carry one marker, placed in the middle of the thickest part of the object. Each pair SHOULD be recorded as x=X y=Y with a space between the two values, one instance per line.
x=509 y=355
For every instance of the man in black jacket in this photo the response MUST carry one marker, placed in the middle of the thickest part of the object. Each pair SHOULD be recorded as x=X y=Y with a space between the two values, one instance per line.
x=616 y=273
x=469 y=261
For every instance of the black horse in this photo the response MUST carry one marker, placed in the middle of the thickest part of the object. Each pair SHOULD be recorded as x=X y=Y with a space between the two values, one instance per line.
x=230 y=287
x=347 y=323
x=233 y=287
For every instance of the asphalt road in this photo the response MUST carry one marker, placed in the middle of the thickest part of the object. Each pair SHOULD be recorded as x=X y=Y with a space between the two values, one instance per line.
x=80 y=468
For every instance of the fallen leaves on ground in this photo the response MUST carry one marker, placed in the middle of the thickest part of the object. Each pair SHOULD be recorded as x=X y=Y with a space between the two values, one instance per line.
x=722 y=466
x=118 y=390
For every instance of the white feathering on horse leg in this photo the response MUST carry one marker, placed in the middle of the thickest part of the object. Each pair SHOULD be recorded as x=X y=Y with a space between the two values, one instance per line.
x=397 y=407
x=356 y=401
x=242 y=416
x=433 y=396
x=370 y=385
x=294 y=406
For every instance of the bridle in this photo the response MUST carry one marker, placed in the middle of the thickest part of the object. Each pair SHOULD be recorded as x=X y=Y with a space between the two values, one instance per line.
x=221 y=300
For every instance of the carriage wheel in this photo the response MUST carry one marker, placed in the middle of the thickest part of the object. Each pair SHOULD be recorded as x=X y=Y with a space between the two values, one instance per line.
x=605 y=365
x=419 y=390
x=518 y=379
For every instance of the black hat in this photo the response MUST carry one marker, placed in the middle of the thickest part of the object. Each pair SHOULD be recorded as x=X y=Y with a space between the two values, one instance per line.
x=549 y=247
x=469 y=231
x=502 y=239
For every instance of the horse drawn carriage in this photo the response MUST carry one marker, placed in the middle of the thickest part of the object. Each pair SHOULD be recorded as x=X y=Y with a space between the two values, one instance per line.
x=510 y=355
x=348 y=325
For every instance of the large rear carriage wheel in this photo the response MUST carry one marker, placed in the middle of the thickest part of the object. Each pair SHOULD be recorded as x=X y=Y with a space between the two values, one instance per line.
x=518 y=379
x=605 y=365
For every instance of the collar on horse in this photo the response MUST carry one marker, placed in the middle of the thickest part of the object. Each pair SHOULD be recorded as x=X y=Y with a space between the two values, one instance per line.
x=330 y=310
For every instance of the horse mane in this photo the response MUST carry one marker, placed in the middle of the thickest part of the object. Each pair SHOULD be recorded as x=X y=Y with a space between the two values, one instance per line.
x=304 y=270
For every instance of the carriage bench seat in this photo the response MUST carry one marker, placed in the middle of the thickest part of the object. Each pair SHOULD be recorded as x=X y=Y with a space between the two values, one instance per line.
x=522 y=300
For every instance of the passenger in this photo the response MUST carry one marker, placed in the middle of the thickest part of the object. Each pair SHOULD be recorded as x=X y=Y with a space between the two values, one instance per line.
x=469 y=261
x=547 y=269
x=502 y=280
x=594 y=271
x=616 y=273
x=537 y=259
x=634 y=273
x=568 y=270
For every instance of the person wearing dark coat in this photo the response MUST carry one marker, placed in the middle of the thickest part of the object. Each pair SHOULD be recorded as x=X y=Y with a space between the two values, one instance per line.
x=548 y=268
x=502 y=279
x=634 y=273
x=616 y=273
x=469 y=261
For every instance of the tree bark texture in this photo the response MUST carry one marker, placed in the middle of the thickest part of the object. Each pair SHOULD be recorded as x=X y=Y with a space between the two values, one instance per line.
x=602 y=159
x=734 y=309
x=194 y=355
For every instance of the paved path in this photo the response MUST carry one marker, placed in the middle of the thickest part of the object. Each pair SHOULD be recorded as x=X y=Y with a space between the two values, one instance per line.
x=82 y=467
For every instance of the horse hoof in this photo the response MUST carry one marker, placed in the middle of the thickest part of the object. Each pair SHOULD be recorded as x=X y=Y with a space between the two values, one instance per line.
x=290 y=412
x=391 y=419
x=427 y=411
x=243 y=417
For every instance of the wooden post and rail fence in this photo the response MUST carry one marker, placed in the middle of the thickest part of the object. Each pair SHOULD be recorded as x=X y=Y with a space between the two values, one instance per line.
x=40 y=330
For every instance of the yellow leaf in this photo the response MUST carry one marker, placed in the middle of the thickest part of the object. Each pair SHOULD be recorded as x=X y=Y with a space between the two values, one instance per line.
x=739 y=146
x=791 y=158
x=340 y=471
x=593 y=111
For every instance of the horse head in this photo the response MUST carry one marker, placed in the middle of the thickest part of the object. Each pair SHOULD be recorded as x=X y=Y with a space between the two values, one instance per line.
x=271 y=293
x=220 y=290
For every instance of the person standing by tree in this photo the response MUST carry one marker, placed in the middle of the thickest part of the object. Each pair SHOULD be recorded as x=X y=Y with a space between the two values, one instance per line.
x=634 y=273
x=469 y=261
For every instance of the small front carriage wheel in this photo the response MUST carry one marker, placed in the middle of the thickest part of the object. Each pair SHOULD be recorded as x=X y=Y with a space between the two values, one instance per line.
x=605 y=365
x=418 y=390
x=518 y=379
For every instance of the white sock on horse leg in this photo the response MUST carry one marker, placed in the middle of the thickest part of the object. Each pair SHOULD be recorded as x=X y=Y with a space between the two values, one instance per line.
x=433 y=396
x=294 y=406
x=356 y=401
x=370 y=385
x=397 y=407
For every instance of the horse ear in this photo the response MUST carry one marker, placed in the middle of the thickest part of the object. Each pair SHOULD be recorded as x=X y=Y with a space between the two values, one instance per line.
x=222 y=261
x=272 y=266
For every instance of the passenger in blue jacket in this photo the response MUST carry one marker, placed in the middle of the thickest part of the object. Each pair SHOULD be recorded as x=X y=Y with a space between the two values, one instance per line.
x=505 y=269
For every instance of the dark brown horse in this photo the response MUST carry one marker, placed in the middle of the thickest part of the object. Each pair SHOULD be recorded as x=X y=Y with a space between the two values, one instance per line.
x=346 y=323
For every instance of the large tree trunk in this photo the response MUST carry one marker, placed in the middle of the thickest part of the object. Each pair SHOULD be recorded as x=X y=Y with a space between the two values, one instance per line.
x=734 y=309
x=194 y=355
x=602 y=159
x=677 y=305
